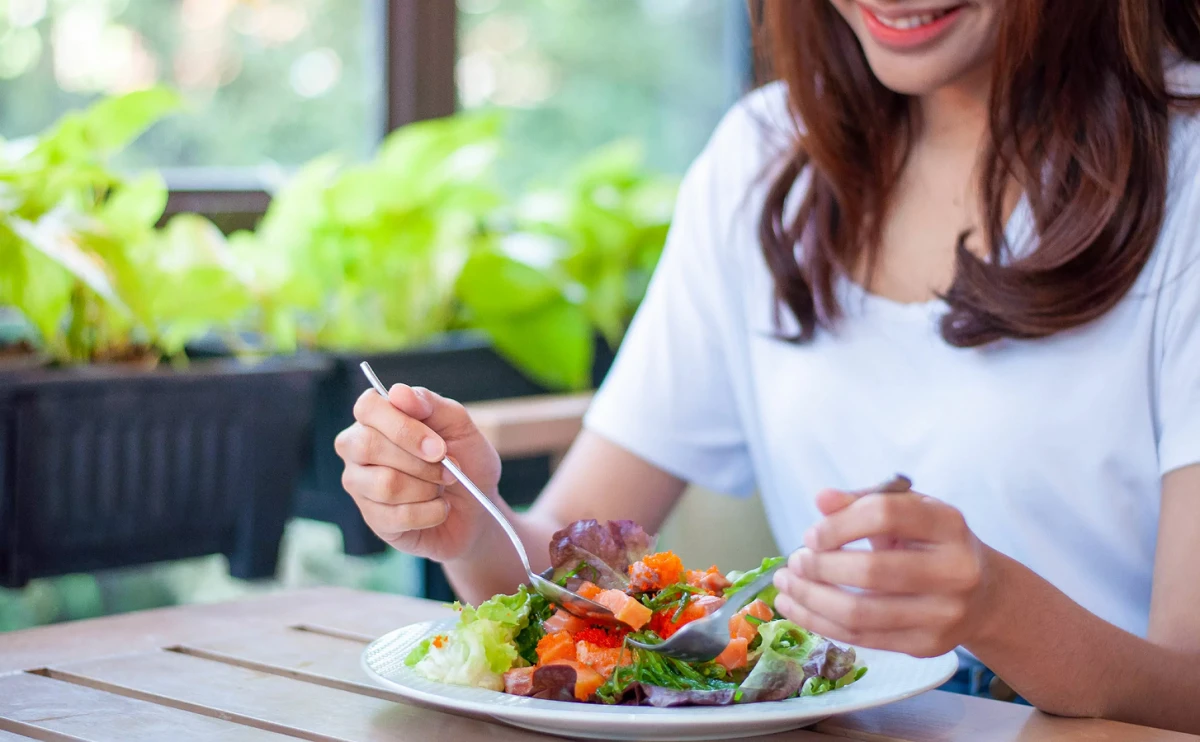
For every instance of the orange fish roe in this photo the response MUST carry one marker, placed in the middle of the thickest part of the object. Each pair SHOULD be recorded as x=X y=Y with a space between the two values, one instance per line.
x=600 y=637
x=654 y=572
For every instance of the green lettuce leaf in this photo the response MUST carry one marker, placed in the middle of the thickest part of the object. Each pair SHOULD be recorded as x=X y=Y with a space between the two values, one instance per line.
x=739 y=580
x=481 y=648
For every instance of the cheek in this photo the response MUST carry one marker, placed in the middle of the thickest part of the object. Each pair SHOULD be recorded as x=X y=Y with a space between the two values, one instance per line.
x=845 y=9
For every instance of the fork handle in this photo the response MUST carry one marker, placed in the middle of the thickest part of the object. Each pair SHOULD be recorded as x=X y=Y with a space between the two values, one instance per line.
x=735 y=602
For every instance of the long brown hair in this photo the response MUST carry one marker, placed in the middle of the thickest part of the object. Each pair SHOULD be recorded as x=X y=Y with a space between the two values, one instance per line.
x=1079 y=119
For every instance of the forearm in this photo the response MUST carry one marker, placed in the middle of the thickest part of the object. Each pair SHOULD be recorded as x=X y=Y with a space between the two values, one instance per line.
x=1067 y=661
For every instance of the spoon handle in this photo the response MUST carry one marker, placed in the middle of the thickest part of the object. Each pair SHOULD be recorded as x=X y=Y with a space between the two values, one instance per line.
x=464 y=480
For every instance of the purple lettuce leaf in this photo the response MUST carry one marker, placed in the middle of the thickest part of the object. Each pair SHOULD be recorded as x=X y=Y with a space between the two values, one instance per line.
x=830 y=661
x=775 y=677
x=641 y=694
x=599 y=552
x=554 y=683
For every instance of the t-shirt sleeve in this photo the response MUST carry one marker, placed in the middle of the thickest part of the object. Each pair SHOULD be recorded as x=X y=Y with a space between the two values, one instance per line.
x=671 y=397
x=1178 y=321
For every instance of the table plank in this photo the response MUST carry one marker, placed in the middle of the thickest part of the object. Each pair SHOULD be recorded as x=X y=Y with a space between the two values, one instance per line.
x=330 y=606
x=273 y=702
x=949 y=717
x=304 y=655
x=50 y=709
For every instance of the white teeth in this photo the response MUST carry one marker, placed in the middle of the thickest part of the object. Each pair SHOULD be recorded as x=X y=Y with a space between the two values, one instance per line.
x=913 y=21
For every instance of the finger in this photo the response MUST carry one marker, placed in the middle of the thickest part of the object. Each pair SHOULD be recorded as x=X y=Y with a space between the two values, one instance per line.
x=406 y=399
x=387 y=486
x=908 y=572
x=447 y=416
x=831 y=501
x=915 y=642
x=366 y=446
x=392 y=521
x=864 y=612
x=907 y=517
x=400 y=428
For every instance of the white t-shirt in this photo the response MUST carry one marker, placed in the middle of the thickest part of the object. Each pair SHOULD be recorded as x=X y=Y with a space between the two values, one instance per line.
x=1053 y=449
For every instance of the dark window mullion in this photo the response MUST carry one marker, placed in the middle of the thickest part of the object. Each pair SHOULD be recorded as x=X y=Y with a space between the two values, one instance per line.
x=421 y=54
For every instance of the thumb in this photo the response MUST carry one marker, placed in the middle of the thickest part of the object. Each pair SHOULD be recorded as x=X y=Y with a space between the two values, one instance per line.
x=831 y=501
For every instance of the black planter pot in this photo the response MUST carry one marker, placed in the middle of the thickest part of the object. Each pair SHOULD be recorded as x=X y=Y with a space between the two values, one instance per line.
x=462 y=367
x=110 y=466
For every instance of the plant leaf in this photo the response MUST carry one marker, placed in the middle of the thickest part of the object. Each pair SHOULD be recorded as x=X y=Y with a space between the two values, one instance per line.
x=554 y=346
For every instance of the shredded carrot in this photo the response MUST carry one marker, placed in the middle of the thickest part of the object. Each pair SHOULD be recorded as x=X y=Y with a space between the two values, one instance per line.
x=440 y=640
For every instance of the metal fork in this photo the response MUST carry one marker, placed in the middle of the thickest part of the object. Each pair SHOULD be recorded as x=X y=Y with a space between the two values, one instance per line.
x=572 y=602
x=703 y=639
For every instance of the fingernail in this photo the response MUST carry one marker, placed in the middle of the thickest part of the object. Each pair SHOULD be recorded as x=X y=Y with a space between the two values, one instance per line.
x=447 y=476
x=794 y=562
x=780 y=580
x=431 y=448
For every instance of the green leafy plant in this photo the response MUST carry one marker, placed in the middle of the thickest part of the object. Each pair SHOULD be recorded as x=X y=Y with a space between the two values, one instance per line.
x=611 y=217
x=526 y=310
x=366 y=256
x=81 y=257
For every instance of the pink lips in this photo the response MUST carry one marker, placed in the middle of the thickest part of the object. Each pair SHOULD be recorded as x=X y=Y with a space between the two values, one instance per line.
x=903 y=39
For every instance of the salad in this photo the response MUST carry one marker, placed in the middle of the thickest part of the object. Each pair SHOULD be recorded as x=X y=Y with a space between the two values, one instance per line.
x=524 y=645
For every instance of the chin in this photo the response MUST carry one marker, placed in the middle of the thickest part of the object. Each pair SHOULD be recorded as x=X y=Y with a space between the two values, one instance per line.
x=916 y=47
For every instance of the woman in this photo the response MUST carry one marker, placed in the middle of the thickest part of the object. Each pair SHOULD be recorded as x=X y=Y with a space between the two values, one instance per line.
x=959 y=241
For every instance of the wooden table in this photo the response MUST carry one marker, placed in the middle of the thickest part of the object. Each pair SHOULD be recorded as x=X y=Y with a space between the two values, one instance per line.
x=287 y=665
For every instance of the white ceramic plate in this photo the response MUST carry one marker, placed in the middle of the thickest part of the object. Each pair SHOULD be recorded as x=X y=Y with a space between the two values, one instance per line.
x=890 y=677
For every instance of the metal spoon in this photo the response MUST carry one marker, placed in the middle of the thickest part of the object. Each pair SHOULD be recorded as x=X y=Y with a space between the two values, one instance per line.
x=703 y=639
x=572 y=602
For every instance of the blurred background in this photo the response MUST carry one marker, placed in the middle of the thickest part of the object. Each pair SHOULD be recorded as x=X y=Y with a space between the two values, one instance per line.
x=250 y=182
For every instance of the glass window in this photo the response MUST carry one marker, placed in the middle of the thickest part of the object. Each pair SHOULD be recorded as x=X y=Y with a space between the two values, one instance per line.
x=267 y=81
x=576 y=74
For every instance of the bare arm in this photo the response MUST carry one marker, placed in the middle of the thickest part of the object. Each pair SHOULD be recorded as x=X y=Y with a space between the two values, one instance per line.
x=1066 y=660
x=957 y=591
x=597 y=479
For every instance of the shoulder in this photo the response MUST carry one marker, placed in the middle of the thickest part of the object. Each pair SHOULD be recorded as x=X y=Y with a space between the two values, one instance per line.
x=727 y=183
x=756 y=133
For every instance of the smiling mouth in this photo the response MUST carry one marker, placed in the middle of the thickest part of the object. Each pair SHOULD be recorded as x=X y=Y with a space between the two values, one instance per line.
x=910 y=22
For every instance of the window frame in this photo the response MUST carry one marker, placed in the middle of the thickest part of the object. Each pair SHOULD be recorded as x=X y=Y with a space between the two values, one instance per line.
x=419 y=49
x=419 y=54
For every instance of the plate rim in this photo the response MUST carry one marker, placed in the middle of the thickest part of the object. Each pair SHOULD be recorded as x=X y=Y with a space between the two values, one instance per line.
x=575 y=715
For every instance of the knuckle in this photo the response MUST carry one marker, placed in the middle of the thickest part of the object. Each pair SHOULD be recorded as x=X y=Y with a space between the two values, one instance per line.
x=874 y=573
x=362 y=406
x=883 y=512
x=958 y=523
x=348 y=480
x=392 y=482
x=972 y=575
x=855 y=614
x=342 y=442
x=955 y=612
